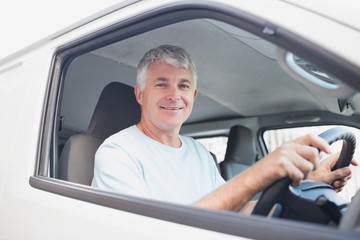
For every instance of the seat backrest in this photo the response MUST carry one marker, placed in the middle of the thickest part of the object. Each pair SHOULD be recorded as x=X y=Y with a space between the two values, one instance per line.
x=240 y=152
x=116 y=109
x=215 y=161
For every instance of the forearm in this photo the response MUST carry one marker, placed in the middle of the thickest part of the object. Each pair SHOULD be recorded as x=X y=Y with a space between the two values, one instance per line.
x=233 y=195
x=294 y=159
x=248 y=207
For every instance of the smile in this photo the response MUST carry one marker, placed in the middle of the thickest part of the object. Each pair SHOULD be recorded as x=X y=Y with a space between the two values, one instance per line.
x=172 y=108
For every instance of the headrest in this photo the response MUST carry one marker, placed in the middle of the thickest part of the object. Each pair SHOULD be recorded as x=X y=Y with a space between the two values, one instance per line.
x=240 y=146
x=116 y=109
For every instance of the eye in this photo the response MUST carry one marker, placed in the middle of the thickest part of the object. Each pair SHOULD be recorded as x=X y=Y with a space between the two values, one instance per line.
x=184 y=86
x=160 y=84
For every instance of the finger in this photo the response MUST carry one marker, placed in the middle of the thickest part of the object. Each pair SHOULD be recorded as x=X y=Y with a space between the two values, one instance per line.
x=339 y=184
x=332 y=160
x=296 y=175
x=338 y=190
x=304 y=158
x=354 y=162
x=298 y=168
x=343 y=173
x=316 y=141
x=339 y=175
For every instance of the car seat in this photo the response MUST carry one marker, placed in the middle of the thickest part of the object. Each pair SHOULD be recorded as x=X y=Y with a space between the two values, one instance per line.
x=240 y=152
x=116 y=109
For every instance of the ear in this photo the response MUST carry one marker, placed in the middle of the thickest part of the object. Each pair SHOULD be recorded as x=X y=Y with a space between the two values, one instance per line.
x=195 y=94
x=138 y=93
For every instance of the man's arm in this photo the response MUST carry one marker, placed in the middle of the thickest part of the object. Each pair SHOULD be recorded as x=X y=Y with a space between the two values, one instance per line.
x=294 y=159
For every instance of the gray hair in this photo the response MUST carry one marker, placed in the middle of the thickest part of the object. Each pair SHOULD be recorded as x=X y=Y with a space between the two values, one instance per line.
x=172 y=55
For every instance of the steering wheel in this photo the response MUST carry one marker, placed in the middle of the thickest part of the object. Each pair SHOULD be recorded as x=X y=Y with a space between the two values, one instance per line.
x=310 y=201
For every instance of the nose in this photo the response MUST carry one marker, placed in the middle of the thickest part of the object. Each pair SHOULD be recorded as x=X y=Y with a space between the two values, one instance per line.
x=173 y=94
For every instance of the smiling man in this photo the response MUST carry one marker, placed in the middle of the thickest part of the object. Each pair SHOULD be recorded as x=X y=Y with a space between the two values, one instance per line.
x=167 y=100
x=151 y=160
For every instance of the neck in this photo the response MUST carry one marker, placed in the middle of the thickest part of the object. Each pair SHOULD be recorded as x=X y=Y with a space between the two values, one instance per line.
x=167 y=138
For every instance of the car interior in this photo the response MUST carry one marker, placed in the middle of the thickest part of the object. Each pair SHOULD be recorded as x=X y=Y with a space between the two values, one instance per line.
x=76 y=159
x=240 y=152
x=247 y=86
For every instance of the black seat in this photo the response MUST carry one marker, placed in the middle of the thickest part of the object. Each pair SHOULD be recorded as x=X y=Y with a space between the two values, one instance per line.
x=240 y=152
x=116 y=109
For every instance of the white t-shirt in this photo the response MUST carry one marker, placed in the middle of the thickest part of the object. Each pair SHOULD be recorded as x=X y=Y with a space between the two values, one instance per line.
x=131 y=163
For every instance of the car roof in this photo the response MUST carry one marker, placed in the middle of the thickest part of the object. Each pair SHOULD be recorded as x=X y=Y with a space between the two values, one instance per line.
x=229 y=87
x=37 y=22
x=23 y=35
x=341 y=11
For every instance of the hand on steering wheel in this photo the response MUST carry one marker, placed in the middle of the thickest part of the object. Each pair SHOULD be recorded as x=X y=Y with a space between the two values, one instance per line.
x=277 y=192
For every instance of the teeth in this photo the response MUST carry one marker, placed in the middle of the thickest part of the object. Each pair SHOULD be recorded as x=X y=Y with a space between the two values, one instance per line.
x=171 y=108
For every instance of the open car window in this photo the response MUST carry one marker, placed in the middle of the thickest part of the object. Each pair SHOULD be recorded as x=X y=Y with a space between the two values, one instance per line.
x=233 y=63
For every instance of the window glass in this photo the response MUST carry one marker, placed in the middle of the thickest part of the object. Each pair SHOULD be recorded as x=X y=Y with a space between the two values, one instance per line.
x=216 y=145
x=274 y=138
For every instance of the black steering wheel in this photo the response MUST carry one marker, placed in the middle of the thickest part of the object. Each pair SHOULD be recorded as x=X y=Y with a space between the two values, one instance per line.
x=310 y=201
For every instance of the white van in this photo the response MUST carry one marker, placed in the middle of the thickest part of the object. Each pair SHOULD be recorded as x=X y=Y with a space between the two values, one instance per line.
x=272 y=69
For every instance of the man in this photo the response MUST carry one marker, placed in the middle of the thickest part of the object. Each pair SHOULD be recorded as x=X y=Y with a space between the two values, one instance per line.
x=151 y=159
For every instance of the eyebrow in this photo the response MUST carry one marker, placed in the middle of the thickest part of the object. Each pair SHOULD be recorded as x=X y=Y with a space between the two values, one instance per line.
x=183 y=80
x=164 y=79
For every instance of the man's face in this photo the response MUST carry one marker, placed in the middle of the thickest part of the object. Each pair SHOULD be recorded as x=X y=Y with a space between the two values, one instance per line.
x=168 y=96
